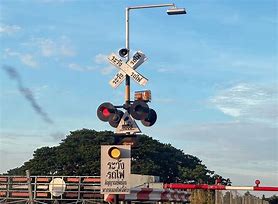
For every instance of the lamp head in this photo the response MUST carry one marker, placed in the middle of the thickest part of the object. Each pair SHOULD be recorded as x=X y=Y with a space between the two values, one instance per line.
x=176 y=11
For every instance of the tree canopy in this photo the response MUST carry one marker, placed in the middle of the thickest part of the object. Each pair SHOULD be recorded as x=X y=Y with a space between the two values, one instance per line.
x=79 y=155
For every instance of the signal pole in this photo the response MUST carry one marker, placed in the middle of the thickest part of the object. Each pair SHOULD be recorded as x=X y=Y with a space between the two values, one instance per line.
x=138 y=109
x=127 y=78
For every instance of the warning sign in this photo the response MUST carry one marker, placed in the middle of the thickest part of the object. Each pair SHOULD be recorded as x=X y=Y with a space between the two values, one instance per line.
x=115 y=169
x=127 y=125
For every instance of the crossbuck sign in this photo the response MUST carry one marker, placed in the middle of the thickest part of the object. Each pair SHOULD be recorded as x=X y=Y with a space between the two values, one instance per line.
x=127 y=68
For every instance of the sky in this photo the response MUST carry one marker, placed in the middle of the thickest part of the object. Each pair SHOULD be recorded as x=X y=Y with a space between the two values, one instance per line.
x=212 y=72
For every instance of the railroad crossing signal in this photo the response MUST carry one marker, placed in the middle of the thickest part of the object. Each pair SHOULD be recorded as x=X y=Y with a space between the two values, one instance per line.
x=134 y=110
x=127 y=68
x=125 y=122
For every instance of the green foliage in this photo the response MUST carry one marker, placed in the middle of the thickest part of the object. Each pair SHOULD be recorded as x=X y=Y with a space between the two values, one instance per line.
x=79 y=154
x=272 y=200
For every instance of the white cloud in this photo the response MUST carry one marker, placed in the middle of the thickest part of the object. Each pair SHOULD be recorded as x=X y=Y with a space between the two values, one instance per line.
x=230 y=111
x=42 y=47
x=248 y=102
x=28 y=60
x=67 y=50
x=47 y=47
x=247 y=145
x=107 y=70
x=61 y=47
x=25 y=58
x=9 y=53
x=101 y=58
x=9 y=29
x=77 y=67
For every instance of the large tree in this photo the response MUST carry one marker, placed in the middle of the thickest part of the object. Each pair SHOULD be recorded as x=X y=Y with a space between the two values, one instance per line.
x=79 y=154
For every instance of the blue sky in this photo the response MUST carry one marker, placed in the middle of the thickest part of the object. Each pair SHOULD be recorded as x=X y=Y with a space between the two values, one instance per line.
x=212 y=73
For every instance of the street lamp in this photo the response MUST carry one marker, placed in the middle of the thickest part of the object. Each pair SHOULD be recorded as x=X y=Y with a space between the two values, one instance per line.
x=171 y=11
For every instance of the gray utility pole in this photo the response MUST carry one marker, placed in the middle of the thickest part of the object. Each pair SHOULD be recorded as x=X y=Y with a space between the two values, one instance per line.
x=173 y=11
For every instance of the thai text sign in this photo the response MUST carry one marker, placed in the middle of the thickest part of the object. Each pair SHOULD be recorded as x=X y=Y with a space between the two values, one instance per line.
x=115 y=173
x=120 y=64
x=137 y=59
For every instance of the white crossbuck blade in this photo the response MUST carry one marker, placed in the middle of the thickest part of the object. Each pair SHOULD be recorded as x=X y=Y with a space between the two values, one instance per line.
x=137 y=59
x=127 y=68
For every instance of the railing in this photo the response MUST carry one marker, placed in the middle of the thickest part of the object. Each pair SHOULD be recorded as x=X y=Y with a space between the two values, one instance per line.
x=14 y=188
x=74 y=189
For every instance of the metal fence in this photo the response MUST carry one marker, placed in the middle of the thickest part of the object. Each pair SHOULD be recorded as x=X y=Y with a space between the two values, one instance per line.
x=200 y=196
x=233 y=197
x=37 y=189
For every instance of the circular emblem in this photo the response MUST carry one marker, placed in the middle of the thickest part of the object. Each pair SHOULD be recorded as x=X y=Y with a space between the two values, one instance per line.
x=57 y=187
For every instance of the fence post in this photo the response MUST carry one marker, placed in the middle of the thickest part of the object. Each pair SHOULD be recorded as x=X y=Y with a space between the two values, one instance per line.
x=31 y=201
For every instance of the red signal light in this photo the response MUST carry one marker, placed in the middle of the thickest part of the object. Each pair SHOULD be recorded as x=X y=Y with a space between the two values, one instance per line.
x=105 y=110
x=257 y=182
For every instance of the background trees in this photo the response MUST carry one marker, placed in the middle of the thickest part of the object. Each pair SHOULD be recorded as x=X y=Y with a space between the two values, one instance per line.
x=79 y=154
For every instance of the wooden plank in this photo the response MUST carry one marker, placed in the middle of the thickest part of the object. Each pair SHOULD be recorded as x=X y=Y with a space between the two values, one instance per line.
x=42 y=187
x=71 y=187
x=3 y=193
x=43 y=179
x=3 y=179
x=91 y=187
x=42 y=194
x=3 y=186
x=73 y=180
x=19 y=186
x=19 y=194
x=92 y=195
x=71 y=194
x=91 y=180
x=19 y=179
